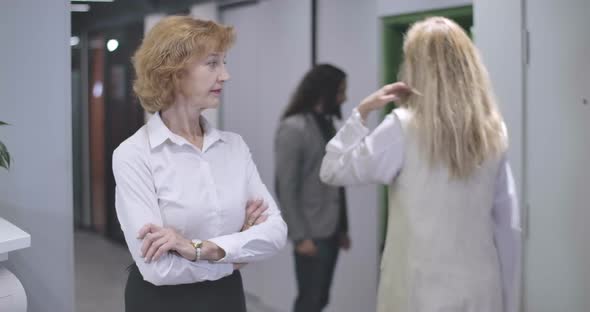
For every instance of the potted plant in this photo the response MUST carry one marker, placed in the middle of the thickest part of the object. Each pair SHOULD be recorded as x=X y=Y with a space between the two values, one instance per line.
x=4 y=155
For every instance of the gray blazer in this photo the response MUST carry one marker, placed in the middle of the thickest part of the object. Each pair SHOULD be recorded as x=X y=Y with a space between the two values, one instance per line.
x=310 y=207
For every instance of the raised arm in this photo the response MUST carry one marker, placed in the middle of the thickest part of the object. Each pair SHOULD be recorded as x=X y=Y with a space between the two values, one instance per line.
x=356 y=156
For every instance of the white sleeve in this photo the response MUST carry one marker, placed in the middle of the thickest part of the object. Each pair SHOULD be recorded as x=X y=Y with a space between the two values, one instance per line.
x=507 y=235
x=259 y=241
x=137 y=204
x=354 y=156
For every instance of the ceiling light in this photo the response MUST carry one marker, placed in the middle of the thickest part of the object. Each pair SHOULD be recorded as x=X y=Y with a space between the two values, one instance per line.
x=74 y=40
x=112 y=45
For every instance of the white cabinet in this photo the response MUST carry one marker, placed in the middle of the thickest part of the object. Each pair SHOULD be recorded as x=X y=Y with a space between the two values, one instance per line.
x=12 y=294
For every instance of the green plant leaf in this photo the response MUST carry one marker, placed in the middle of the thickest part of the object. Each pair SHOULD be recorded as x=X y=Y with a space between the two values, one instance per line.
x=4 y=156
x=2 y=123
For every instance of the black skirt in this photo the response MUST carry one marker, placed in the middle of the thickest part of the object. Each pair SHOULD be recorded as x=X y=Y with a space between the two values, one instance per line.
x=223 y=295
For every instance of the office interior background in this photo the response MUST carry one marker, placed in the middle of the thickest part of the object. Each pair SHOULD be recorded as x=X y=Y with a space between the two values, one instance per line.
x=65 y=90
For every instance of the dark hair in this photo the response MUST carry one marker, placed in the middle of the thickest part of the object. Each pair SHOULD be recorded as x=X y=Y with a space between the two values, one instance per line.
x=321 y=83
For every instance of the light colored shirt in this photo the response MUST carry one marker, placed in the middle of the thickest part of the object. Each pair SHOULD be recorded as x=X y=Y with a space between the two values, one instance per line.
x=163 y=179
x=358 y=156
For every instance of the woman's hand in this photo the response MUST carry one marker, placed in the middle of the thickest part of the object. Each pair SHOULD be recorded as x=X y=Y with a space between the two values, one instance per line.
x=307 y=248
x=254 y=213
x=379 y=98
x=159 y=240
x=254 y=216
x=211 y=252
x=344 y=241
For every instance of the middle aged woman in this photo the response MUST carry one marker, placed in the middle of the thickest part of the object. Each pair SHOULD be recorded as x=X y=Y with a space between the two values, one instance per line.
x=189 y=198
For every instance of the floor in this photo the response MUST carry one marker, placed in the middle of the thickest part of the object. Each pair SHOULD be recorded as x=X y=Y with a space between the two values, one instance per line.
x=101 y=274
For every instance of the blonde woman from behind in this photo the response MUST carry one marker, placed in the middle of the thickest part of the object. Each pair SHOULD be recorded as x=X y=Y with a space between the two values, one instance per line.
x=453 y=240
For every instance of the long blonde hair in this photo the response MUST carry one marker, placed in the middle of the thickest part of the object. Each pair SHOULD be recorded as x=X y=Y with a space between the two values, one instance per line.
x=457 y=118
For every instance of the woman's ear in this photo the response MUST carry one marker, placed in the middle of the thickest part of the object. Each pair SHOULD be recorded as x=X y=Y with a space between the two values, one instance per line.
x=177 y=80
x=179 y=75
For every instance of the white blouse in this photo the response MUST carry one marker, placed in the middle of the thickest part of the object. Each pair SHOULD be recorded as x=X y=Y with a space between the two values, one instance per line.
x=358 y=156
x=163 y=179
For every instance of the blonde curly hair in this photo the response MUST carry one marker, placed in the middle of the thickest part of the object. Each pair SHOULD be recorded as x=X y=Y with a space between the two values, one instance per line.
x=167 y=49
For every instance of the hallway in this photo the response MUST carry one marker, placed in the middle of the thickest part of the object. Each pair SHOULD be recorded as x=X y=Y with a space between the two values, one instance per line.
x=100 y=267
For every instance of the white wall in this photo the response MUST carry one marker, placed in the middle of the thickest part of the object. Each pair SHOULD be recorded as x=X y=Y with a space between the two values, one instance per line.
x=353 y=46
x=558 y=157
x=36 y=194
x=272 y=53
x=396 y=7
x=549 y=127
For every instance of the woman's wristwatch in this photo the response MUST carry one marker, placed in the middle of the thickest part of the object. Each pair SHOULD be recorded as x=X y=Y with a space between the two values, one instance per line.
x=197 y=244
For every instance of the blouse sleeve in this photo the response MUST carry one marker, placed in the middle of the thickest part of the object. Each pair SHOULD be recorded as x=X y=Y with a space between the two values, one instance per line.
x=259 y=241
x=507 y=235
x=356 y=156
